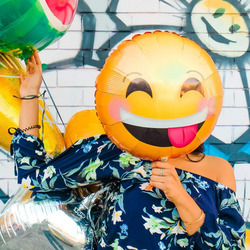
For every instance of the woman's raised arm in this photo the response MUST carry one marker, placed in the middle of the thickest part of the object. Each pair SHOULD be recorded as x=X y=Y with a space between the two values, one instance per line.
x=30 y=85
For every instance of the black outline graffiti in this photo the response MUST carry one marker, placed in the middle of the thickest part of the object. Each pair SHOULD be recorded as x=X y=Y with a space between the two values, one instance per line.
x=233 y=151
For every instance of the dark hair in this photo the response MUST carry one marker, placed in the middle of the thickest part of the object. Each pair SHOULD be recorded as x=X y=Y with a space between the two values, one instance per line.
x=199 y=150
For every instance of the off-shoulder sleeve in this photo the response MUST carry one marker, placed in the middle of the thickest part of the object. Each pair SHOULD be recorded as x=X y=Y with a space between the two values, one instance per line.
x=227 y=229
x=89 y=160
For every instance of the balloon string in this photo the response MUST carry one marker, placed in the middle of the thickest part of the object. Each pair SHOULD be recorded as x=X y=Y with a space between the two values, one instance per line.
x=43 y=113
x=57 y=111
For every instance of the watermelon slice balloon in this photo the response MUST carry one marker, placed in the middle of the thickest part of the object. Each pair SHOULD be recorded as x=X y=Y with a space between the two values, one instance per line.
x=29 y=24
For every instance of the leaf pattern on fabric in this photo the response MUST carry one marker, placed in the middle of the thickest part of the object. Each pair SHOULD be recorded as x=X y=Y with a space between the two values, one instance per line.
x=136 y=218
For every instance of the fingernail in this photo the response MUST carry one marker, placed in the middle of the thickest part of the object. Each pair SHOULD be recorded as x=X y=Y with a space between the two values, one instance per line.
x=164 y=159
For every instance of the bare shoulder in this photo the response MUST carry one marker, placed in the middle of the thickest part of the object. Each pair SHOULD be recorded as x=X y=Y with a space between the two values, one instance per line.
x=223 y=171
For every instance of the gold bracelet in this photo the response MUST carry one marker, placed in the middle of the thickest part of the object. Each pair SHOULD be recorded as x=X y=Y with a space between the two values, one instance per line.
x=192 y=223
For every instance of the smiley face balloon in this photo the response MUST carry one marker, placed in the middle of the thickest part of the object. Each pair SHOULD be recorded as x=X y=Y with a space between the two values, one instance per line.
x=158 y=95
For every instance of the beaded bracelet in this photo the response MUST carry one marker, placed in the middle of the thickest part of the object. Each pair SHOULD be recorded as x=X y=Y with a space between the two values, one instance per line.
x=31 y=127
x=200 y=218
x=12 y=130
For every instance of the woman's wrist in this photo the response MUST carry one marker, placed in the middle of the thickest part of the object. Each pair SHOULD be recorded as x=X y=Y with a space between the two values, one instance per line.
x=28 y=92
x=31 y=90
x=28 y=97
x=181 y=197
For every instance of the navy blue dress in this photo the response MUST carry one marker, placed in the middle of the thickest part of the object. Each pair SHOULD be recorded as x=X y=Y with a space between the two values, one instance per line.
x=136 y=219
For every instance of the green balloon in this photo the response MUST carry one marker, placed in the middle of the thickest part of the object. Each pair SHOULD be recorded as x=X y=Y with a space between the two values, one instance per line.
x=33 y=24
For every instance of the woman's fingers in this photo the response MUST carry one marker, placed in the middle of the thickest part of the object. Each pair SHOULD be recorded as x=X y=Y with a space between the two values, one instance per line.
x=160 y=164
x=34 y=59
x=159 y=185
x=37 y=58
x=31 y=59
x=159 y=171
x=156 y=178
x=34 y=64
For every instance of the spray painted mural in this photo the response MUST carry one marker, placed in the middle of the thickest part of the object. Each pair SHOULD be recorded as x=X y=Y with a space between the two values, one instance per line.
x=221 y=27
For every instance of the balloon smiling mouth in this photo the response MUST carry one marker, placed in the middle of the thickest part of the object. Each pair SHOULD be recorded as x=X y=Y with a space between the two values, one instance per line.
x=177 y=132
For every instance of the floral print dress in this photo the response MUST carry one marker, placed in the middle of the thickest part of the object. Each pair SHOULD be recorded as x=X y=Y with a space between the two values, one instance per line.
x=137 y=219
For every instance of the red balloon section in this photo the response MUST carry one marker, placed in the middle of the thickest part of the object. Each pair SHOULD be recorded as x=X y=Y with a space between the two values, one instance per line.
x=64 y=10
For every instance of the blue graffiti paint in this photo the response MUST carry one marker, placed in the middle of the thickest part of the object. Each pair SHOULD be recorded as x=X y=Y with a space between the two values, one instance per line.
x=88 y=56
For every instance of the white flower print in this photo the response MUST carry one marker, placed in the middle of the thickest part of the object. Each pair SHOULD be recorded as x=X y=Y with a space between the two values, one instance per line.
x=102 y=244
x=155 y=224
x=25 y=160
x=189 y=175
x=26 y=183
x=30 y=138
x=116 y=216
x=144 y=185
x=99 y=150
x=157 y=209
x=221 y=186
x=38 y=152
x=178 y=229
x=48 y=172
x=141 y=171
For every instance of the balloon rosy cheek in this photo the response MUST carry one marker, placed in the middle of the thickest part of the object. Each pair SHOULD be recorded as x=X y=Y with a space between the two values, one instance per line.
x=210 y=104
x=114 y=107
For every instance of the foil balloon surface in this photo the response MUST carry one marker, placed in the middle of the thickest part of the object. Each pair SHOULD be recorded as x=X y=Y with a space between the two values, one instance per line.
x=158 y=95
x=10 y=70
x=82 y=125
x=33 y=24
x=47 y=224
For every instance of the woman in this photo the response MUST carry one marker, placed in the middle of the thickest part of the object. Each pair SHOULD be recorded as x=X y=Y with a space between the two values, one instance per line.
x=192 y=204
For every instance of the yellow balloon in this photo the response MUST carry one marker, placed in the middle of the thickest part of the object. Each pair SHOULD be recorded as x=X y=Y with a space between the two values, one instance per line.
x=10 y=70
x=82 y=125
x=158 y=95
x=247 y=239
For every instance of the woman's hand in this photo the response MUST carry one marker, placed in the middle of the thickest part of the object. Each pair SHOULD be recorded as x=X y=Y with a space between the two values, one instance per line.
x=30 y=85
x=165 y=177
x=31 y=81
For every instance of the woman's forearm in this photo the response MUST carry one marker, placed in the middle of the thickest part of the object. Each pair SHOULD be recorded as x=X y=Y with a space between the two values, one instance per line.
x=29 y=116
x=191 y=214
x=30 y=85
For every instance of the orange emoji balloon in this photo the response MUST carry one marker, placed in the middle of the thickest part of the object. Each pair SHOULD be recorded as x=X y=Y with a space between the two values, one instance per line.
x=158 y=95
x=82 y=125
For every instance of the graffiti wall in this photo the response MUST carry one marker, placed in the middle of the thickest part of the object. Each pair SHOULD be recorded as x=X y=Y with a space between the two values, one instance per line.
x=72 y=64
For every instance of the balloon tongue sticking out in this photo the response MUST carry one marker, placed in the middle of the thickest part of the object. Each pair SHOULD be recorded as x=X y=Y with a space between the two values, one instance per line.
x=180 y=137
